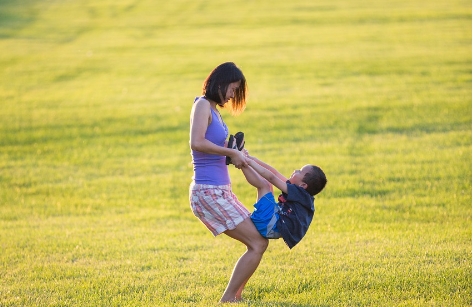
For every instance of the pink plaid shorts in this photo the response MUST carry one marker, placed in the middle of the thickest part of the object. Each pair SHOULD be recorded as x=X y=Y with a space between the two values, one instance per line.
x=217 y=207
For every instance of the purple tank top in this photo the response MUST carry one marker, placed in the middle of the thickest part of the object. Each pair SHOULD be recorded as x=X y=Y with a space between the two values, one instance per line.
x=212 y=169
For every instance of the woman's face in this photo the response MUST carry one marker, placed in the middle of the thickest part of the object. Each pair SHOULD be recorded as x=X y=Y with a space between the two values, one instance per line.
x=231 y=90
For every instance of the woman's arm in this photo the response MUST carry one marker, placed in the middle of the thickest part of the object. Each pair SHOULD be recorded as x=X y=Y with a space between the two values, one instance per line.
x=199 y=120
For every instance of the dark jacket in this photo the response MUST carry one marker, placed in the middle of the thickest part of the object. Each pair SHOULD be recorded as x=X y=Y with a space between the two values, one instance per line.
x=296 y=214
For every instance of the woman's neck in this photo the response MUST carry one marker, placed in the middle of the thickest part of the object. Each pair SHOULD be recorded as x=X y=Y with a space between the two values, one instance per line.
x=213 y=104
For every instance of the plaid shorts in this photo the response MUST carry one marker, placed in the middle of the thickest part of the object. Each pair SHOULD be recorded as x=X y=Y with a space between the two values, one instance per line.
x=217 y=207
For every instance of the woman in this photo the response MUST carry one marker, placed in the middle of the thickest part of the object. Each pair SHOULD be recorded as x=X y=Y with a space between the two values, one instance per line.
x=211 y=198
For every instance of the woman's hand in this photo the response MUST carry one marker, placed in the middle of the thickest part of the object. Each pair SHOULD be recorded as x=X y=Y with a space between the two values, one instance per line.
x=238 y=159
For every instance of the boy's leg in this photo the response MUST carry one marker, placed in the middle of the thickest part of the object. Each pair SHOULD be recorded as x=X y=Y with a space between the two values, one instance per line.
x=264 y=208
x=262 y=185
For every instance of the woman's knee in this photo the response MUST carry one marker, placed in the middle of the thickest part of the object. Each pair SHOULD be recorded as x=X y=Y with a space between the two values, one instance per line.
x=259 y=246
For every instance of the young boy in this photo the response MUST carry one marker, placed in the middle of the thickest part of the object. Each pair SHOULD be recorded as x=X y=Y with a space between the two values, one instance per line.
x=291 y=216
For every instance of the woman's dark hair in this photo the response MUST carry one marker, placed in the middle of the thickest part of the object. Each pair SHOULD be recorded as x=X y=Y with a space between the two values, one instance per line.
x=315 y=180
x=217 y=83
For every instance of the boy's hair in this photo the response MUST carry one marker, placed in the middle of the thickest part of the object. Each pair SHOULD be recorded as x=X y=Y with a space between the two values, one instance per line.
x=315 y=180
x=218 y=81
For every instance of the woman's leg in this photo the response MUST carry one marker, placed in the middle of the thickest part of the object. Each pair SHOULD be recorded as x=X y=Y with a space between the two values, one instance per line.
x=239 y=293
x=256 y=245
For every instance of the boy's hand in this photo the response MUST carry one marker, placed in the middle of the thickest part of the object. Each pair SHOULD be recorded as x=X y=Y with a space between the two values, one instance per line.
x=239 y=159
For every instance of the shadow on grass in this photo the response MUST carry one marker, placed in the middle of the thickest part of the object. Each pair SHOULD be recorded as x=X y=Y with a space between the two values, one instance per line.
x=14 y=16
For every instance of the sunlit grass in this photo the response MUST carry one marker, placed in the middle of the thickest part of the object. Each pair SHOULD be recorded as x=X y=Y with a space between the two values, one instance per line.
x=95 y=163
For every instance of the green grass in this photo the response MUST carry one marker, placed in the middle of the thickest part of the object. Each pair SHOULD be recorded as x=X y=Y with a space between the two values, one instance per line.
x=95 y=163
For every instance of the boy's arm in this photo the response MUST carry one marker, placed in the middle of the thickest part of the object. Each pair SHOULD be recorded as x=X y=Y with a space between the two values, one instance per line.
x=266 y=166
x=270 y=174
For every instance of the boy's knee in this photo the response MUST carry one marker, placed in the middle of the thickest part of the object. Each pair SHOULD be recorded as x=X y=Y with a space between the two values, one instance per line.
x=264 y=188
x=262 y=184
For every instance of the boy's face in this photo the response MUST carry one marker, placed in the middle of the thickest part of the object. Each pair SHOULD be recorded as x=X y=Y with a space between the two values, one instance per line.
x=297 y=176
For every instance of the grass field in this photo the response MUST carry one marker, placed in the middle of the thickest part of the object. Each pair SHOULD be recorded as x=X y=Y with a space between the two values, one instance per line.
x=95 y=165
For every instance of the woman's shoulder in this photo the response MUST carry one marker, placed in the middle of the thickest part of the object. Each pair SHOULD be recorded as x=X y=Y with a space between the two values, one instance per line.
x=201 y=100
x=201 y=105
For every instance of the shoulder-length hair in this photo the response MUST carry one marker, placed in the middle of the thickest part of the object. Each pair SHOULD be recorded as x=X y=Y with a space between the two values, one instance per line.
x=217 y=83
